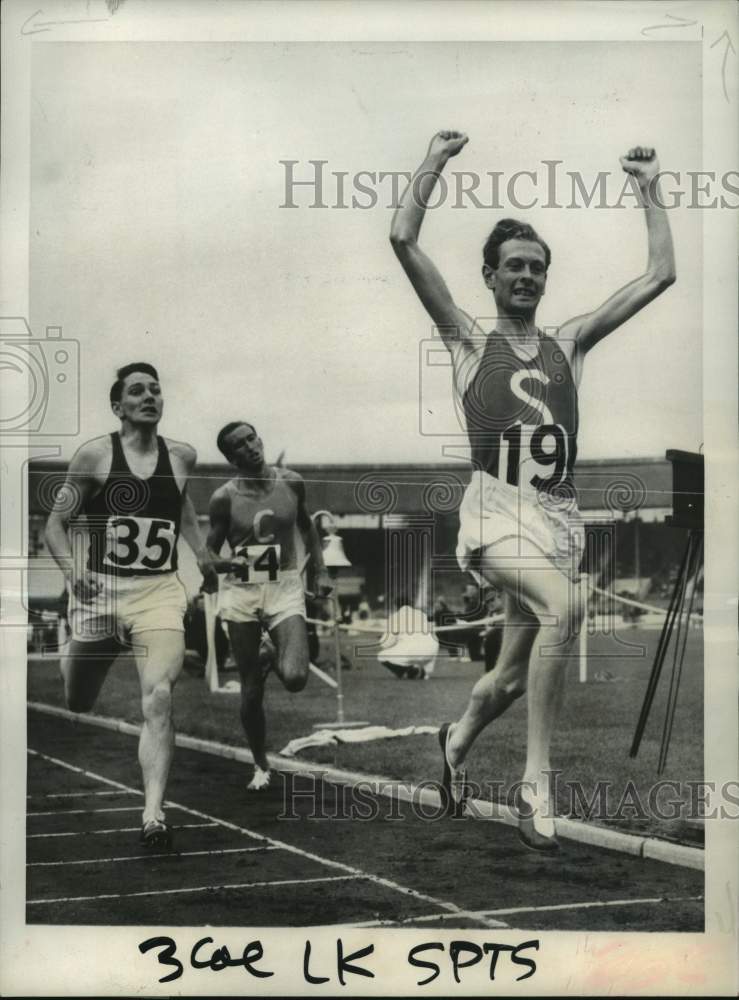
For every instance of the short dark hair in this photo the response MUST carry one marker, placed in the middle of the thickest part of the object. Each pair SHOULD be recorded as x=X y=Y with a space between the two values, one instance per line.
x=116 y=390
x=511 y=229
x=228 y=429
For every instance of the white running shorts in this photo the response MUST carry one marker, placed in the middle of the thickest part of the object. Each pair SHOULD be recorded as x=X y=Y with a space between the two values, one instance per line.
x=126 y=605
x=491 y=511
x=268 y=603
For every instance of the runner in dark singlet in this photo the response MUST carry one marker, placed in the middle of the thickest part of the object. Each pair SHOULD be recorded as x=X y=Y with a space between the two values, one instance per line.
x=126 y=490
x=519 y=525
x=259 y=513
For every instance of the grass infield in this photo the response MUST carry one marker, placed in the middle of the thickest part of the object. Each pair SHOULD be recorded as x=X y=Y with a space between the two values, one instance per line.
x=591 y=743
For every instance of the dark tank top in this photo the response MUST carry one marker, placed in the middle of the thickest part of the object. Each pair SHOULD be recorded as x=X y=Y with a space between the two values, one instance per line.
x=522 y=416
x=134 y=523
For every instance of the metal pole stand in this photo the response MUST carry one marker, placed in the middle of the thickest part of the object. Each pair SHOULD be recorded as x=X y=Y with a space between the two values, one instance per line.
x=341 y=722
x=583 y=637
x=210 y=606
x=682 y=595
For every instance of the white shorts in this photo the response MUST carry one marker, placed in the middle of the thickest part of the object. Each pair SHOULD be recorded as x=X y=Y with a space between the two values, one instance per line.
x=492 y=510
x=126 y=605
x=267 y=603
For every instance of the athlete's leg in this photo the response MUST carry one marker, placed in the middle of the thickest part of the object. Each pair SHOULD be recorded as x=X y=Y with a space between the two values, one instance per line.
x=290 y=637
x=494 y=692
x=245 y=641
x=520 y=569
x=492 y=645
x=84 y=667
x=159 y=655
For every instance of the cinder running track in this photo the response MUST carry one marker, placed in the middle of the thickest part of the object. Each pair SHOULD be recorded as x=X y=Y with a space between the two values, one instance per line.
x=241 y=861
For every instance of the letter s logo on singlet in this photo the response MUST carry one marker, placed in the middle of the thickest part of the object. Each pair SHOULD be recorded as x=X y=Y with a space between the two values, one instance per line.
x=532 y=440
x=520 y=393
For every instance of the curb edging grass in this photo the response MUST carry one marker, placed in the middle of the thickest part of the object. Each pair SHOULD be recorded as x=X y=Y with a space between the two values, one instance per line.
x=584 y=833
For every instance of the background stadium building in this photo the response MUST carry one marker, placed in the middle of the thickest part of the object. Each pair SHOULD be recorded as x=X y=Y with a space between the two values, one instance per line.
x=395 y=520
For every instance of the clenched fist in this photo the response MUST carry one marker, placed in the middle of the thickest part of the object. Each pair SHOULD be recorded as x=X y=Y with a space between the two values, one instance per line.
x=641 y=162
x=447 y=143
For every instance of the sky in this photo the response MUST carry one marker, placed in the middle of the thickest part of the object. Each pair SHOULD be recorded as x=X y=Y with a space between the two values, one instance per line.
x=157 y=232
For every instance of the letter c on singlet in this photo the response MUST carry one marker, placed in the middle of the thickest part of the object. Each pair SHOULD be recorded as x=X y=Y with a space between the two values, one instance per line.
x=257 y=532
x=520 y=393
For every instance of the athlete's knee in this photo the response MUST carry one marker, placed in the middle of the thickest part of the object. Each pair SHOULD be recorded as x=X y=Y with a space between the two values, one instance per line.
x=156 y=704
x=295 y=677
x=293 y=666
x=564 y=611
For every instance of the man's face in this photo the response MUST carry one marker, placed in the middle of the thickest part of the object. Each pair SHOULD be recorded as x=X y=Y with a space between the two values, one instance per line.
x=519 y=281
x=245 y=447
x=141 y=399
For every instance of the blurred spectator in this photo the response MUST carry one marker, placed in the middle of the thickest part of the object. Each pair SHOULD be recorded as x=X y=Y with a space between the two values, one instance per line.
x=409 y=649
x=363 y=611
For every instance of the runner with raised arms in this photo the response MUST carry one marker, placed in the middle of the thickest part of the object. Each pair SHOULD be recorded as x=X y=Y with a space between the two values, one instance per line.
x=519 y=525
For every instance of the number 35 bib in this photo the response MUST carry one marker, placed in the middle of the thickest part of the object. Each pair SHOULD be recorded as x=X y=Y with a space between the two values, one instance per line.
x=133 y=524
x=139 y=544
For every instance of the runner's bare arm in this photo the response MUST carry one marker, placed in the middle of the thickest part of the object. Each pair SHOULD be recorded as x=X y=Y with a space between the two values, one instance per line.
x=190 y=531
x=79 y=484
x=642 y=163
x=321 y=580
x=183 y=458
x=219 y=513
x=455 y=326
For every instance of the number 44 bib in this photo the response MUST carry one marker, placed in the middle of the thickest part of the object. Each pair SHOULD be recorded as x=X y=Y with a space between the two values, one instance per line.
x=261 y=563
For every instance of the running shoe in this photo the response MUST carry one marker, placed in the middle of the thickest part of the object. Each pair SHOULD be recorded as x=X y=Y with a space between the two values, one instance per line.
x=533 y=830
x=156 y=836
x=260 y=780
x=454 y=787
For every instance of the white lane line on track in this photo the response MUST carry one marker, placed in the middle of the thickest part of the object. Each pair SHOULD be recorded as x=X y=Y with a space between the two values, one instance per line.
x=81 y=795
x=458 y=911
x=147 y=857
x=80 y=770
x=197 y=888
x=357 y=872
x=427 y=918
x=636 y=845
x=118 y=829
x=477 y=914
x=592 y=904
x=84 y=812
